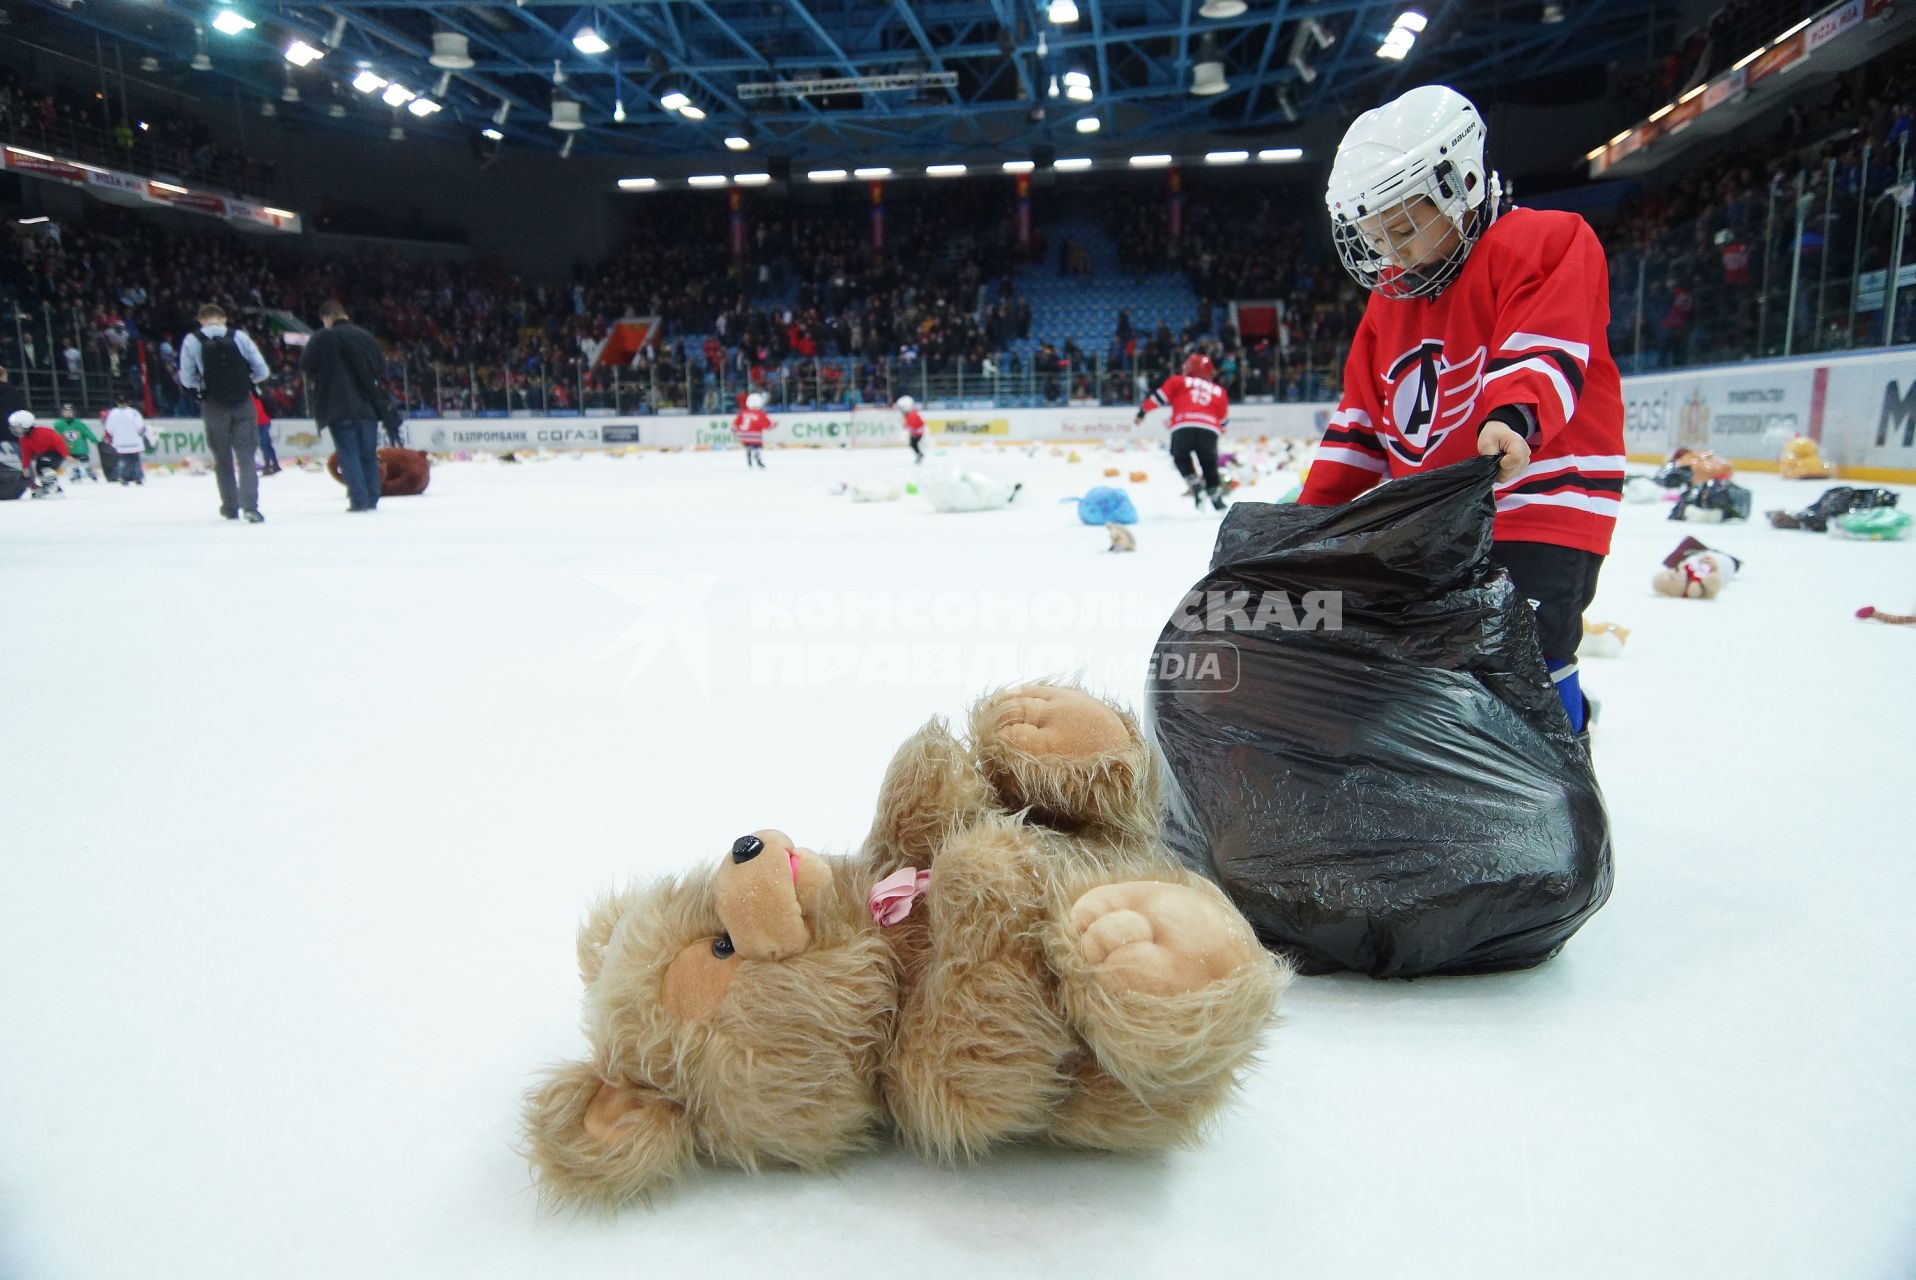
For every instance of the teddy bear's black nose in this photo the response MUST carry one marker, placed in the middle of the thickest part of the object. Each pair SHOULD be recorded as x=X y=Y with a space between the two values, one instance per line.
x=745 y=848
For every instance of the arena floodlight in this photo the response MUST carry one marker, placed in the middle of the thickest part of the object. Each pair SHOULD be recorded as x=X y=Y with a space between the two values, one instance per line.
x=825 y=175
x=1062 y=12
x=877 y=171
x=1150 y=162
x=692 y=113
x=397 y=95
x=637 y=184
x=1226 y=157
x=230 y=22
x=944 y=171
x=1089 y=124
x=301 y=54
x=492 y=135
x=707 y=180
x=674 y=100
x=1278 y=155
x=1074 y=164
x=367 y=82
x=751 y=179
x=1019 y=166
x=589 y=42
x=736 y=143
x=422 y=107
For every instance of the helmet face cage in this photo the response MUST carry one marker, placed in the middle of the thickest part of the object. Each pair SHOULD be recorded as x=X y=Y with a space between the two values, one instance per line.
x=1392 y=251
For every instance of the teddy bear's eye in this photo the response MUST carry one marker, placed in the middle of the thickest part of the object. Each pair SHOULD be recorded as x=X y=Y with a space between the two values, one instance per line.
x=722 y=946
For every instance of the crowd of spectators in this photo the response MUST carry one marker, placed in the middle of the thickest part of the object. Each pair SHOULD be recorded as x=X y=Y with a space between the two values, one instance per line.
x=97 y=127
x=810 y=310
x=1700 y=269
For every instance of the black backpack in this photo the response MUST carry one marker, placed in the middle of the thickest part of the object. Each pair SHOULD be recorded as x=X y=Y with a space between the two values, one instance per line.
x=227 y=377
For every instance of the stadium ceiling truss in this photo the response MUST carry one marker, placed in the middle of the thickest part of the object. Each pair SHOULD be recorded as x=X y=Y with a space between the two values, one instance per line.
x=820 y=80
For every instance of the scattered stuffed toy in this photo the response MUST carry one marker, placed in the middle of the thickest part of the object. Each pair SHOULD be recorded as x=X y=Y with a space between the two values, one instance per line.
x=1122 y=539
x=1012 y=957
x=1602 y=640
x=403 y=473
x=1834 y=503
x=1802 y=460
x=1868 y=612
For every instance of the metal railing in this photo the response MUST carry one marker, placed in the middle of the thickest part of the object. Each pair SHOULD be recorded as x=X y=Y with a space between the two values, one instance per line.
x=1816 y=263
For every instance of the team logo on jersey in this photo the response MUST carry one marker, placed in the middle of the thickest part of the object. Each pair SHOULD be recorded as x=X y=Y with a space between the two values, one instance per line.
x=1428 y=397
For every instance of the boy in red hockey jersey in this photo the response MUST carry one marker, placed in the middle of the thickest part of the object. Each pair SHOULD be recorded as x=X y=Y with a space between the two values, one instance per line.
x=1484 y=335
x=750 y=427
x=1200 y=410
x=42 y=453
x=914 y=426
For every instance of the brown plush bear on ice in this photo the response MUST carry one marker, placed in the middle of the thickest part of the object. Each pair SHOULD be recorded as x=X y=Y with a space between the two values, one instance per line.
x=1013 y=957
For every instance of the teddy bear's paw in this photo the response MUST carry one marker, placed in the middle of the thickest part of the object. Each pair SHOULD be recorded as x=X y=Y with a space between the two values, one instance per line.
x=1052 y=722
x=1152 y=938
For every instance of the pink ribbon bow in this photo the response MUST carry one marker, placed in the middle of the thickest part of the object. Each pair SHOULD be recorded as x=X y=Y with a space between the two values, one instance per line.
x=892 y=898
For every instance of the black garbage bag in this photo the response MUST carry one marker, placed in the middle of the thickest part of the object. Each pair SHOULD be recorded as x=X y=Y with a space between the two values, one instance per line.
x=1834 y=502
x=13 y=478
x=1712 y=503
x=1397 y=794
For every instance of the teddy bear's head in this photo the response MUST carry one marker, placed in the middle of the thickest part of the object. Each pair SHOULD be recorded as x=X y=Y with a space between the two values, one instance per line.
x=1691 y=583
x=736 y=1015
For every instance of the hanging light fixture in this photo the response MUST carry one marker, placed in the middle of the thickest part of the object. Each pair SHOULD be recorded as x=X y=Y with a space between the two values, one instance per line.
x=565 y=116
x=450 y=51
x=1218 y=10
x=1207 y=73
x=1062 y=12
x=149 y=64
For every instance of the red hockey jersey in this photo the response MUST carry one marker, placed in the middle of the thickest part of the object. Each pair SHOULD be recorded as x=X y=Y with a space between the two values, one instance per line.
x=1522 y=325
x=38 y=441
x=1194 y=403
x=751 y=425
x=914 y=424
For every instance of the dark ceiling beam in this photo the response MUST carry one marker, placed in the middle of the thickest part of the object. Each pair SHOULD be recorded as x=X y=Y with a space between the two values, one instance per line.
x=762 y=65
x=1278 y=20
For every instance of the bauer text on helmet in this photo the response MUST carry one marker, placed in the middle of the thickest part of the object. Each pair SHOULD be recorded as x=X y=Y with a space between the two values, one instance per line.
x=1409 y=194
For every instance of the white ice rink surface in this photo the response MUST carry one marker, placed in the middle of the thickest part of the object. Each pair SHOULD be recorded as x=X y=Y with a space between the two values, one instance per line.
x=300 y=819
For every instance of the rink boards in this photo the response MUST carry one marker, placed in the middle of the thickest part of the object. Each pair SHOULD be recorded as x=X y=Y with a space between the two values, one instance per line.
x=1860 y=409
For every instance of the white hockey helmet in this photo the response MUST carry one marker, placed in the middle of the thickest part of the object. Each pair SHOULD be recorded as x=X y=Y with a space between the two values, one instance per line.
x=1428 y=143
x=19 y=419
x=756 y=400
x=906 y=403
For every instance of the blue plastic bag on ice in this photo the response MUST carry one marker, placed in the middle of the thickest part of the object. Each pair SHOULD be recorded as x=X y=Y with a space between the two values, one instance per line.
x=1104 y=506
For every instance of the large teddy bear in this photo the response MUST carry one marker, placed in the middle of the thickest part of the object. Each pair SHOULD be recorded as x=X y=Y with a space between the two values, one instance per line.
x=1012 y=957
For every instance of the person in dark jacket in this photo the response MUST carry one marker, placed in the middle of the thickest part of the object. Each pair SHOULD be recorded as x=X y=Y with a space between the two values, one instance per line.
x=224 y=367
x=342 y=365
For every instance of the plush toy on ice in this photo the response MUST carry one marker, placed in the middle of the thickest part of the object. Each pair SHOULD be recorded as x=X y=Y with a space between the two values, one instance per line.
x=1012 y=957
x=951 y=489
x=1695 y=572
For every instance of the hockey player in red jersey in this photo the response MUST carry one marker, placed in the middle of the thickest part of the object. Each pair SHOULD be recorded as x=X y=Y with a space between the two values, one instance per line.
x=914 y=426
x=1484 y=334
x=750 y=426
x=43 y=451
x=1200 y=411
